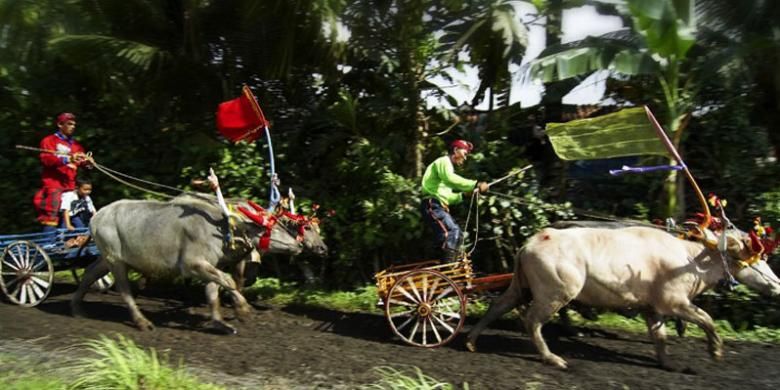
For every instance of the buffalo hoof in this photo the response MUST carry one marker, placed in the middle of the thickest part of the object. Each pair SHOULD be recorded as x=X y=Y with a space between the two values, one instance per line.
x=678 y=369
x=77 y=311
x=471 y=346
x=557 y=361
x=143 y=324
x=717 y=355
x=244 y=313
x=222 y=327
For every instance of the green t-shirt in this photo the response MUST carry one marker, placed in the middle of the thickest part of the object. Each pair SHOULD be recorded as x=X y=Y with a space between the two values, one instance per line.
x=440 y=181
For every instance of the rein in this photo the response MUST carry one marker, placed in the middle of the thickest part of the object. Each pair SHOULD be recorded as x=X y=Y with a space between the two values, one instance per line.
x=474 y=202
x=116 y=176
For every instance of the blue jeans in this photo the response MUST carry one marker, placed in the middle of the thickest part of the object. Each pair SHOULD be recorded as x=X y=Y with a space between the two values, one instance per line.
x=447 y=232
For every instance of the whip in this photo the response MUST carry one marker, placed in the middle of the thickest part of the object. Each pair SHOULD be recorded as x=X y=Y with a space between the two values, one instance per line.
x=510 y=174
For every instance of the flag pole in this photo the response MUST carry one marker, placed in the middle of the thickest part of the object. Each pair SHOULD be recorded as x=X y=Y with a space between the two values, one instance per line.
x=670 y=147
x=274 y=195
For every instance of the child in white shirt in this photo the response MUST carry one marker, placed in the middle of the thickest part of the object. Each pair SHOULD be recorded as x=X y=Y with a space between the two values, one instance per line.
x=77 y=207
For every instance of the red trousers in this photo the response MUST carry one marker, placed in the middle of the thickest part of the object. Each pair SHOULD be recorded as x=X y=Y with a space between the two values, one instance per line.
x=47 y=205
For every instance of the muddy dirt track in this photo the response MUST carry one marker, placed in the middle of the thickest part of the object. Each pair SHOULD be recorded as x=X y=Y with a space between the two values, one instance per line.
x=294 y=347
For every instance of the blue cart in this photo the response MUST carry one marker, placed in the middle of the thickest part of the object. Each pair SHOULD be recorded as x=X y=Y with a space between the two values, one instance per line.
x=30 y=260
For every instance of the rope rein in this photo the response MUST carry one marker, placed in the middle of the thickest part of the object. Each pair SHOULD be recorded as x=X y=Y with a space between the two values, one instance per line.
x=473 y=205
x=111 y=173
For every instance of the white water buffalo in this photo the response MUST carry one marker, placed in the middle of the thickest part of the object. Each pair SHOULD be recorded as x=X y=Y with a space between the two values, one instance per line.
x=636 y=267
x=186 y=237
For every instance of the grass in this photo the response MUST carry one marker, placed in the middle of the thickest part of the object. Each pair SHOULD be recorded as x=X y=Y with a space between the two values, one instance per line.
x=364 y=300
x=121 y=364
x=637 y=325
x=273 y=291
x=30 y=382
x=395 y=379
x=20 y=372
x=109 y=364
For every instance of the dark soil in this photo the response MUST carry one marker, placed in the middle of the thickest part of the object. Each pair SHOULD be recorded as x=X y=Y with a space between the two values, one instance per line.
x=316 y=348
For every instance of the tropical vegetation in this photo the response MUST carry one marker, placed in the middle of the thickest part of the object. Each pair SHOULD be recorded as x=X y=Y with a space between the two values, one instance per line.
x=347 y=87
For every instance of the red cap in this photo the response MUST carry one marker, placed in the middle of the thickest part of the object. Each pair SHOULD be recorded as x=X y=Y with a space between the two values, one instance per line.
x=459 y=143
x=65 y=116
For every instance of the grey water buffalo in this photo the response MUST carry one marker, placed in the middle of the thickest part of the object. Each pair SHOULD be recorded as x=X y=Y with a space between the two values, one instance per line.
x=637 y=267
x=306 y=229
x=186 y=237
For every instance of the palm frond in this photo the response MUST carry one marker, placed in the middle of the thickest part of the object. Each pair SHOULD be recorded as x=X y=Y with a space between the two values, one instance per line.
x=114 y=53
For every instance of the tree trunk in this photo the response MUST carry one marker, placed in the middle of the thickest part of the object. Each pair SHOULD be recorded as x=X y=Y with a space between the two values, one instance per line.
x=409 y=23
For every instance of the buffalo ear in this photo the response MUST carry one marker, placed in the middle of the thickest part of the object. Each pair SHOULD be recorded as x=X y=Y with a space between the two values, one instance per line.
x=738 y=247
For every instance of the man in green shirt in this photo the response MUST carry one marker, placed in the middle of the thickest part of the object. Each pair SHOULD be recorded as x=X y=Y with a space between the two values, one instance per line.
x=442 y=187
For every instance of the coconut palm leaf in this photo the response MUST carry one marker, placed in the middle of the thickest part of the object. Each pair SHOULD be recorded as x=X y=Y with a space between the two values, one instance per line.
x=128 y=56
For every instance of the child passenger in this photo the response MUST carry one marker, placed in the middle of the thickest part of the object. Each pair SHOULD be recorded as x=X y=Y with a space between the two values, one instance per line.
x=76 y=206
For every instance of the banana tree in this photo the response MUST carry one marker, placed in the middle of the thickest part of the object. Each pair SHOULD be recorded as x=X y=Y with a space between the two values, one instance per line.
x=494 y=37
x=657 y=45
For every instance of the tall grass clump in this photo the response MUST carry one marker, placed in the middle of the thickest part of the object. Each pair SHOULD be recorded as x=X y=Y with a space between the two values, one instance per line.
x=394 y=379
x=121 y=364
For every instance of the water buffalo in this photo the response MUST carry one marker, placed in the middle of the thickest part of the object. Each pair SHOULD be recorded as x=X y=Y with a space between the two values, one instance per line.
x=305 y=229
x=589 y=312
x=187 y=237
x=638 y=267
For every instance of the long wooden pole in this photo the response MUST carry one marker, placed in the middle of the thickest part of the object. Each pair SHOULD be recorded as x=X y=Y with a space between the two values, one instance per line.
x=670 y=147
x=274 y=195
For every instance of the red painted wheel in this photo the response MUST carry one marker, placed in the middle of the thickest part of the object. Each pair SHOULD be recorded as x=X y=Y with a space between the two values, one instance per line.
x=425 y=308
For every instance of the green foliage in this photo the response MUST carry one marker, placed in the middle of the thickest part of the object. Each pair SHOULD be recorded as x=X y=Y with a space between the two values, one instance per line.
x=240 y=168
x=30 y=382
x=743 y=309
x=362 y=299
x=344 y=84
x=121 y=364
x=18 y=373
x=398 y=379
x=767 y=205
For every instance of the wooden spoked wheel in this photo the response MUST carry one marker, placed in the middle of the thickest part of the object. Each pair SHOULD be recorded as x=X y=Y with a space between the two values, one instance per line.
x=425 y=308
x=27 y=273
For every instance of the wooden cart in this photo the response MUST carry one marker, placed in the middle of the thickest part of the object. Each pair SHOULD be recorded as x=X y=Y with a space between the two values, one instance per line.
x=425 y=302
x=30 y=260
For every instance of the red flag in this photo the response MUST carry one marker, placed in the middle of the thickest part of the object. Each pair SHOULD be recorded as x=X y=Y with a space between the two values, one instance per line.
x=241 y=119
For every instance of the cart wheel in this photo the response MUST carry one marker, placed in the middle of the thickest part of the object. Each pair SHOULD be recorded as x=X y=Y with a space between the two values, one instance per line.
x=425 y=308
x=103 y=284
x=27 y=273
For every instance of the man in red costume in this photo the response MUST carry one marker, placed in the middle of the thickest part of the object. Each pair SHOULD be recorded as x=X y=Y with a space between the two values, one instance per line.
x=61 y=159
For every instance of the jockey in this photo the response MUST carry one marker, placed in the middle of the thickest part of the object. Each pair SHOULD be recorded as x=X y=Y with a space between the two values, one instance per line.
x=442 y=187
x=61 y=159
